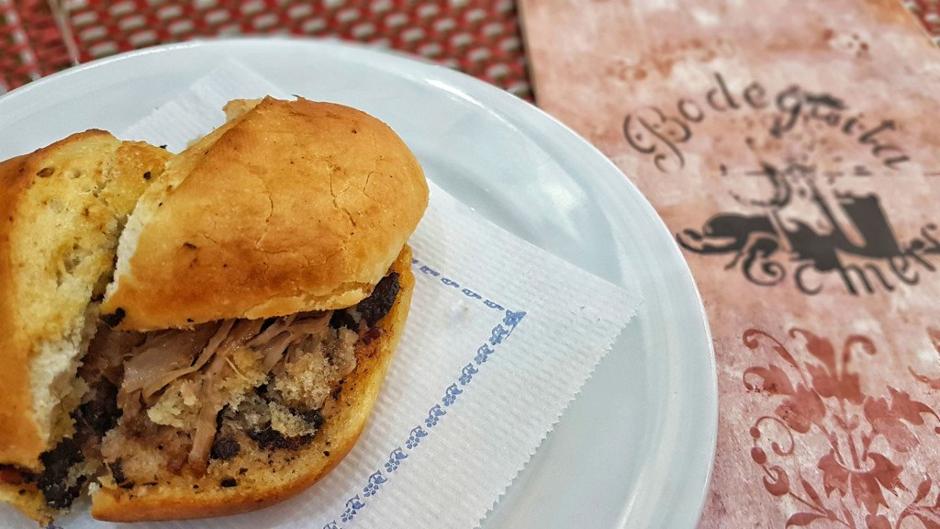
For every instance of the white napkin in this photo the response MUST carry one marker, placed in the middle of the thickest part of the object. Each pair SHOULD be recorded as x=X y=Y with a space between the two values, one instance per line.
x=501 y=337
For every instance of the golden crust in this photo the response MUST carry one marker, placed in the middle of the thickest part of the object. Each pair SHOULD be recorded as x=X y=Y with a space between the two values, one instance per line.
x=20 y=441
x=272 y=476
x=62 y=208
x=291 y=206
x=29 y=501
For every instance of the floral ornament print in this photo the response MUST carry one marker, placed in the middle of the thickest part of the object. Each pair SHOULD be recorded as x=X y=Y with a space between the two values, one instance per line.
x=859 y=481
x=933 y=383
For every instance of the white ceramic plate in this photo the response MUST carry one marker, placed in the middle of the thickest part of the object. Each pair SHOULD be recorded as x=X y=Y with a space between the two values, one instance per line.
x=635 y=449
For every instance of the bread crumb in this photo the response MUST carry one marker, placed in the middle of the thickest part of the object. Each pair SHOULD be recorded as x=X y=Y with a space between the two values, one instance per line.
x=253 y=410
x=188 y=392
x=171 y=409
x=289 y=424
x=244 y=373
x=309 y=379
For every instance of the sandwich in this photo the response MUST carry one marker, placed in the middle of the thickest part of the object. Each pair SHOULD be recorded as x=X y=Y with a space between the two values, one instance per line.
x=235 y=335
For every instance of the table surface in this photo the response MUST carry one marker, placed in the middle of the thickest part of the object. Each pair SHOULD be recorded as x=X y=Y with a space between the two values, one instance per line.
x=479 y=37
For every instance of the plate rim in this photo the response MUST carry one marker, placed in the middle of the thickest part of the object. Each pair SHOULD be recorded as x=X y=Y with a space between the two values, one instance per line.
x=487 y=90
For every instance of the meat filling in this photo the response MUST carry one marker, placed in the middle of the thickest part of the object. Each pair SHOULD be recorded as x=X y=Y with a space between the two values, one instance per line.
x=179 y=399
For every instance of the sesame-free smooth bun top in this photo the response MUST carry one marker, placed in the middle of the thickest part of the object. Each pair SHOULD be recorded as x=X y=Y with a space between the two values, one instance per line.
x=290 y=206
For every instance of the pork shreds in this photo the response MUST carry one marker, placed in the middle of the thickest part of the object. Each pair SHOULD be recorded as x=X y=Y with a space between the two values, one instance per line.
x=270 y=379
x=176 y=399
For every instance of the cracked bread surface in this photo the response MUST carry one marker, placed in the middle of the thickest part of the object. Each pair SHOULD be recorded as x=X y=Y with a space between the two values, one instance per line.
x=290 y=206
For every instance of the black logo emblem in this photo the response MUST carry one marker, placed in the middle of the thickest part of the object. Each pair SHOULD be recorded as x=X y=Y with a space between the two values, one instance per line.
x=850 y=236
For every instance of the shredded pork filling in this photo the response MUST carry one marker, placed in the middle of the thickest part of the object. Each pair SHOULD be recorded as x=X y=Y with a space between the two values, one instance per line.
x=169 y=401
x=183 y=380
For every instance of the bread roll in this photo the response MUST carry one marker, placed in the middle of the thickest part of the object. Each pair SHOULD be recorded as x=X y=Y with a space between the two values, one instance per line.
x=62 y=207
x=291 y=206
x=259 y=289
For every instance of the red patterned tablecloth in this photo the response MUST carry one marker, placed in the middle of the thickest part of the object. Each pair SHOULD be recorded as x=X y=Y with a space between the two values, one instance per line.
x=479 y=37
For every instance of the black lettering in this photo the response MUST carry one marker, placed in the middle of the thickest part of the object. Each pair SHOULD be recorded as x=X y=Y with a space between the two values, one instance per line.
x=923 y=262
x=897 y=160
x=869 y=137
x=755 y=95
x=893 y=161
x=844 y=271
x=900 y=265
x=789 y=103
x=925 y=232
x=884 y=281
x=832 y=119
x=882 y=148
x=695 y=117
x=801 y=284
x=826 y=108
x=635 y=138
x=847 y=272
x=710 y=97
x=650 y=129
x=723 y=88
x=849 y=126
x=815 y=113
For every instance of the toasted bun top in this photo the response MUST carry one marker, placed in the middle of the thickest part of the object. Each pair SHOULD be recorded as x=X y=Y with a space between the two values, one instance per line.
x=62 y=209
x=290 y=206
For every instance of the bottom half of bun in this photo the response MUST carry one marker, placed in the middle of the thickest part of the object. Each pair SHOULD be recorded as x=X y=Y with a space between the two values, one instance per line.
x=124 y=455
x=257 y=477
x=29 y=500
